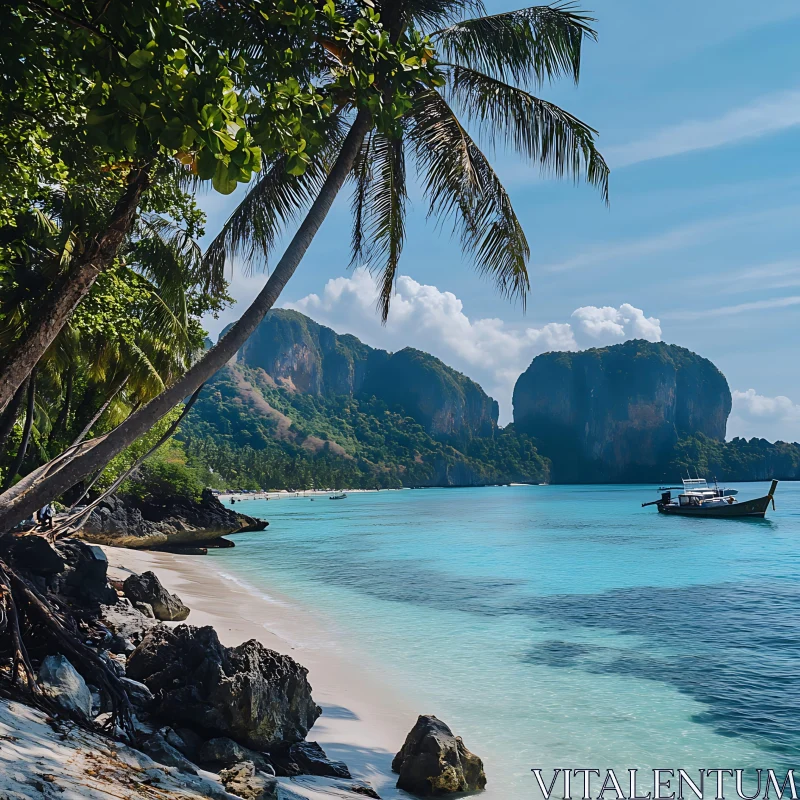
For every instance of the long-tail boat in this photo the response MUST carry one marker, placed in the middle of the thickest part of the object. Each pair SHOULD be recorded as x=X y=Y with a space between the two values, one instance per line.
x=700 y=500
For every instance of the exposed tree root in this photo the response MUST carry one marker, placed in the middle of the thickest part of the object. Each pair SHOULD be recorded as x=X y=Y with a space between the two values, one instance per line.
x=24 y=608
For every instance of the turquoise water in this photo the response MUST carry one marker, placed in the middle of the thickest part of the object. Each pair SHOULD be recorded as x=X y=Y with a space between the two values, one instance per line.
x=558 y=626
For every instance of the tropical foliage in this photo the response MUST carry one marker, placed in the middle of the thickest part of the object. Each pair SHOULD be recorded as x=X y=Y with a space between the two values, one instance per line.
x=736 y=460
x=392 y=79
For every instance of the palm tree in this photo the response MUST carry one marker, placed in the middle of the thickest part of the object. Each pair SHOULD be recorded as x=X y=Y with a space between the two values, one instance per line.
x=132 y=337
x=490 y=65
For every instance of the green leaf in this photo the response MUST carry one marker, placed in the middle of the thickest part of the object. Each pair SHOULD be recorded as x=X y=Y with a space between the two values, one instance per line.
x=128 y=136
x=206 y=164
x=97 y=117
x=228 y=142
x=224 y=180
x=140 y=58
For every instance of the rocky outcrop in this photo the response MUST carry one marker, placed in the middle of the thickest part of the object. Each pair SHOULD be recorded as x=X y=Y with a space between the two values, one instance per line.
x=125 y=522
x=435 y=762
x=616 y=413
x=303 y=356
x=147 y=590
x=251 y=694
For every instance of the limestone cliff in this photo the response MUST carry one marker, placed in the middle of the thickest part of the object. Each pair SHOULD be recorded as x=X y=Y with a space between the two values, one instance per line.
x=301 y=355
x=445 y=402
x=616 y=413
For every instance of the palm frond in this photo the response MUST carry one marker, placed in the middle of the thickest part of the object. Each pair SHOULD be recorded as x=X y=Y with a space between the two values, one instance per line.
x=462 y=186
x=169 y=257
x=276 y=198
x=540 y=131
x=531 y=45
x=362 y=175
x=426 y=13
x=379 y=204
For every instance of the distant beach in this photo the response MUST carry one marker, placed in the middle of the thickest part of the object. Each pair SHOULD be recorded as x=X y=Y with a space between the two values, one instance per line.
x=285 y=494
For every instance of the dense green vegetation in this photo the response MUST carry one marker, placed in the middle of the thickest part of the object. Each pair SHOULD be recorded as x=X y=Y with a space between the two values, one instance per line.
x=736 y=460
x=337 y=441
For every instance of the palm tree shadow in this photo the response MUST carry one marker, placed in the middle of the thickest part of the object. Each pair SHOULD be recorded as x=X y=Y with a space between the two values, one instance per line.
x=338 y=712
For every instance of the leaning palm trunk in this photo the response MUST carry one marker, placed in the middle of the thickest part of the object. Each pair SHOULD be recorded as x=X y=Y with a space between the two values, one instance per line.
x=74 y=520
x=52 y=479
x=64 y=297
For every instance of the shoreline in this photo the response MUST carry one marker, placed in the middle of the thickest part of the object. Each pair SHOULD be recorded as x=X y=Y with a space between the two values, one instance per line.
x=364 y=721
x=285 y=494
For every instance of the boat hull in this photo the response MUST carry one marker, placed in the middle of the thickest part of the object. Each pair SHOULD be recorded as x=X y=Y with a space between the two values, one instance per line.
x=750 y=508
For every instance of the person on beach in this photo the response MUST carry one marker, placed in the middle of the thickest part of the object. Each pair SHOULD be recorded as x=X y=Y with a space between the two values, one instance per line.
x=46 y=517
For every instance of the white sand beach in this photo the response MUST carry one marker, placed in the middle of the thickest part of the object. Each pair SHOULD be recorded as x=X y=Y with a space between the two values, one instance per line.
x=364 y=721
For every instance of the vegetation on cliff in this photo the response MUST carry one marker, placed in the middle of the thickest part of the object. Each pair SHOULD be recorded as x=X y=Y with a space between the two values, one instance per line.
x=254 y=434
x=736 y=460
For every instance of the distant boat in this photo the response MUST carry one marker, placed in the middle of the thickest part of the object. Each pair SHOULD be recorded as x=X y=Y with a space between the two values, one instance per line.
x=338 y=496
x=698 y=499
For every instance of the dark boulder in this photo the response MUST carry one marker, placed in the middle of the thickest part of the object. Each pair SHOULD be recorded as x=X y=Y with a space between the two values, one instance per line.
x=224 y=752
x=31 y=553
x=138 y=693
x=159 y=749
x=62 y=683
x=128 y=624
x=248 y=693
x=84 y=577
x=184 y=741
x=434 y=762
x=305 y=758
x=147 y=588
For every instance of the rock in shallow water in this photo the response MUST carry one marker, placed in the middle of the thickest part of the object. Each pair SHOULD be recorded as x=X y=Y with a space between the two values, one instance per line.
x=435 y=762
x=147 y=588
x=248 y=693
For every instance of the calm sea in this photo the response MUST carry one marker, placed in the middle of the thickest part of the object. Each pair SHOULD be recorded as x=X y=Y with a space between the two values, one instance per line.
x=559 y=626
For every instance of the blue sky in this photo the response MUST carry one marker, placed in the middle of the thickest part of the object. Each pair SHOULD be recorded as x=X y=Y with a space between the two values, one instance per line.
x=698 y=109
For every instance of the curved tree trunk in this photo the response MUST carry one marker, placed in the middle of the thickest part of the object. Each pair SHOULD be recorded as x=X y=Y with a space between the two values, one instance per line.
x=65 y=295
x=26 y=433
x=9 y=416
x=52 y=479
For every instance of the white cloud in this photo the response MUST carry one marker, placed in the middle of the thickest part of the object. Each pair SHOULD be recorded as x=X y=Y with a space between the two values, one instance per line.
x=766 y=417
x=622 y=323
x=489 y=350
x=765 y=115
